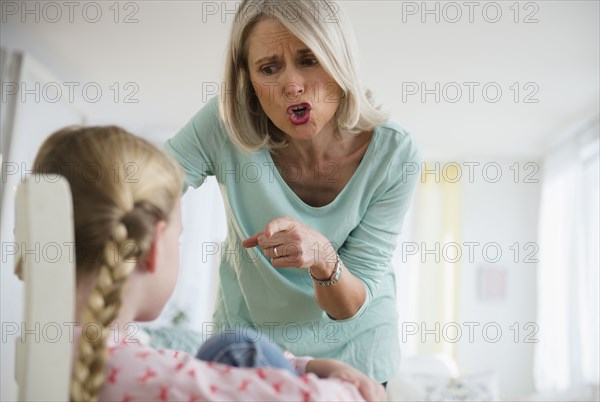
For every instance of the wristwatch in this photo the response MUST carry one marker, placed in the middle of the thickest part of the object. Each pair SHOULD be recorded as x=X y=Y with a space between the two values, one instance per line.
x=333 y=279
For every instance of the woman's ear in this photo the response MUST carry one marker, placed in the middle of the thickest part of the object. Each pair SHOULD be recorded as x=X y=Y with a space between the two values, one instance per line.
x=150 y=262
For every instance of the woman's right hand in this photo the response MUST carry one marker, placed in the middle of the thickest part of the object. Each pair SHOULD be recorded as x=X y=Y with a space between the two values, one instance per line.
x=328 y=368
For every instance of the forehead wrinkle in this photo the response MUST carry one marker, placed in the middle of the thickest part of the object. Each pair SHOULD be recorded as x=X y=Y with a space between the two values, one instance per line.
x=274 y=43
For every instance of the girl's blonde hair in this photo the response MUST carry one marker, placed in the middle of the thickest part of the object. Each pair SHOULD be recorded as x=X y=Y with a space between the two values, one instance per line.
x=121 y=186
x=322 y=26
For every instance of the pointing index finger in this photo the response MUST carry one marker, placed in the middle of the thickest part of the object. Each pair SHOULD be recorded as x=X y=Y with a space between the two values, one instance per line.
x=251 y=241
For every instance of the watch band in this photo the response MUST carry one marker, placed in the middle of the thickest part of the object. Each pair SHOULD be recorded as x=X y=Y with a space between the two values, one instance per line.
x=333 y=279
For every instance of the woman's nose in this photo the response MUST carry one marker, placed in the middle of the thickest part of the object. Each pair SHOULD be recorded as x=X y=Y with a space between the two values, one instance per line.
x=293 y=89
x=294 y=83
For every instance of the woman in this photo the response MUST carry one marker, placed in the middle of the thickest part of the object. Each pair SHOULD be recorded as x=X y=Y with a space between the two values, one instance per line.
x=313 y=177
x=126 y=236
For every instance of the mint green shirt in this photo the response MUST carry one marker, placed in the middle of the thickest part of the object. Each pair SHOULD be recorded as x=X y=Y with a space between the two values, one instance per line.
x=362 y=223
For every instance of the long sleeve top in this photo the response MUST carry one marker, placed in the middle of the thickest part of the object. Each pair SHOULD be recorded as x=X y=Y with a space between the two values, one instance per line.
x=362 y=223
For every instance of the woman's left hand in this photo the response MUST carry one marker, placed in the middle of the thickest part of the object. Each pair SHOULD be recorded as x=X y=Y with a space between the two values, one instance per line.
x=290 y=243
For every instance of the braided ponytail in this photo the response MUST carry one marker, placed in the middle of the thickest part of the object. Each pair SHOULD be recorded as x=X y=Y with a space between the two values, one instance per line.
x=115 y=219
x=103 y=306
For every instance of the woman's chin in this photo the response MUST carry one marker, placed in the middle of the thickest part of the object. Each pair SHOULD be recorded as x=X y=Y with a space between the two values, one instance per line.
x=304 y=131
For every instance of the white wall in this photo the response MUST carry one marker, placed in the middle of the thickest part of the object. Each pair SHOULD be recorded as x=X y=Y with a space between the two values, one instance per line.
x=506 y=213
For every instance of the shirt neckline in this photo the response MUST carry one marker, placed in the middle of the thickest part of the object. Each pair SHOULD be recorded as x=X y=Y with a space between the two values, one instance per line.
x=350 y=182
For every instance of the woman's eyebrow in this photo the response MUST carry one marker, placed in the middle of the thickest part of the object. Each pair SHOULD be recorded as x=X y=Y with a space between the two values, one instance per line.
x=301 y=52
x=265 y=59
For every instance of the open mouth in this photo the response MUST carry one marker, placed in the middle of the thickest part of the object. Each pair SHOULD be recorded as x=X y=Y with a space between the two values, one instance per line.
x=300 y=110
x=300 y=113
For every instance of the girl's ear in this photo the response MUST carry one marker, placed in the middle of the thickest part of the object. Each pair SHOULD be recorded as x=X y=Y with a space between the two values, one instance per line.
x=150 y=262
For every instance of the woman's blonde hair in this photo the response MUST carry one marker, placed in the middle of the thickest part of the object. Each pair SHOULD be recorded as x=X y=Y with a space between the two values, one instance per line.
x=121 y=186
x=322 y=26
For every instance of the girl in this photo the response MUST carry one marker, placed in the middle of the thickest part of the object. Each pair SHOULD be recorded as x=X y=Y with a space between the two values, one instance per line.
x=127 y=224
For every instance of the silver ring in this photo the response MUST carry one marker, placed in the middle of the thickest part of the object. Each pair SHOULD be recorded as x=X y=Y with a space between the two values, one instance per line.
x=275 y=251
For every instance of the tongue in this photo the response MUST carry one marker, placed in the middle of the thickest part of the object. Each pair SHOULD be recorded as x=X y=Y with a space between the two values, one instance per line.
x=300 y=116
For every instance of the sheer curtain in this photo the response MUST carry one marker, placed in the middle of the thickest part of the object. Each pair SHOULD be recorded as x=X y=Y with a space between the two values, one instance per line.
x=566 y=356
x=428 y=285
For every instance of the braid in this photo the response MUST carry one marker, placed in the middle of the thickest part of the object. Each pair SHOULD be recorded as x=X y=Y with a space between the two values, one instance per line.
x=103 y=306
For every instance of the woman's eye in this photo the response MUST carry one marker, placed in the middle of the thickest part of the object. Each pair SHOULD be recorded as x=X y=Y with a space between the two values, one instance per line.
x=310 y=61
x=267 y=70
